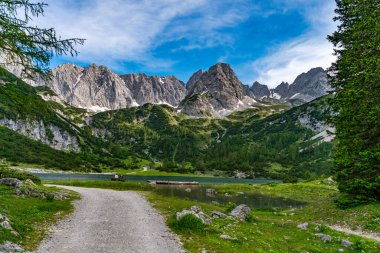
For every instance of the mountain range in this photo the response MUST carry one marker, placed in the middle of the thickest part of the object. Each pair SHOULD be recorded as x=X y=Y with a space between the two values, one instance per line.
x=212 y=93
x=91 y=119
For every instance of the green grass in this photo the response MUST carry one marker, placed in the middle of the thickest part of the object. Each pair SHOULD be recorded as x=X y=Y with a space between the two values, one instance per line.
x=120 y=186
x=30 y=217
x=274 y=230
x=269 y=229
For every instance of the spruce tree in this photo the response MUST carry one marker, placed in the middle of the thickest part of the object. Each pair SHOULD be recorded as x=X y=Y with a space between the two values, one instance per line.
x=356 y=79
x=26 y=45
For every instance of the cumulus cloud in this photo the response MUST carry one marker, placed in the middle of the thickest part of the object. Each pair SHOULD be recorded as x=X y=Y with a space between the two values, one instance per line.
x=118 y=31
x=287 y=60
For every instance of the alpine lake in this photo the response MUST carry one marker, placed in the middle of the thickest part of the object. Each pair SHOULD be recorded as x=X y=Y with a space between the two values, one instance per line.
x=203 y=192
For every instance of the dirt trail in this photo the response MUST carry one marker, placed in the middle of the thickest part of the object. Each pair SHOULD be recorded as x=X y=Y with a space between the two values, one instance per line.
x=111 y=221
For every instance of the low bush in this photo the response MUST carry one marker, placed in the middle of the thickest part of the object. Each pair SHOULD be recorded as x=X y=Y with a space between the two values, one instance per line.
x=189 y=222
x=6 y=172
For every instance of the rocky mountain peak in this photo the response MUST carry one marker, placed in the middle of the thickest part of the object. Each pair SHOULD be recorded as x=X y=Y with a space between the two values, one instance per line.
x=193 y=79
x=214 y=92
x=258 y=90
x=95 y=87
x=155 y=89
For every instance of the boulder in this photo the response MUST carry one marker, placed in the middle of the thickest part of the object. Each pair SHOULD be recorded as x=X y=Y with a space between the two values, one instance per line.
x=11 y=182
x=188 y=190
x=197 y=212
x=219 y=215
x=10 y=247
x=5 y=224
x=210 y=191
x=228 y=237
x=346 y=243
x=30 y=182
x=183 y=213
x=329 y=181
x=241 y=211
x=196 y=209
x=303 y=226
x=325 y=238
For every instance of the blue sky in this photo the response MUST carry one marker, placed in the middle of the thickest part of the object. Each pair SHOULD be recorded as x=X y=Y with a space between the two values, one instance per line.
x=266 y=40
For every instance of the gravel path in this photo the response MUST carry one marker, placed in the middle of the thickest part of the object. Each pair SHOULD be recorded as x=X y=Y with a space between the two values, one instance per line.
x=111 y=221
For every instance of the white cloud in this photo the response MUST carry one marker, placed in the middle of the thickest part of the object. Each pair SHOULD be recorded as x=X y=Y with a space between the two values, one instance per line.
x=126 y=30
x=291 y=58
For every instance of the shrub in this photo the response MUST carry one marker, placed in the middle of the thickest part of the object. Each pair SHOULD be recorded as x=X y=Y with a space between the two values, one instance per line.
x=290 y=179
x=6 y=172
x=190 y=222
x=250 y=217
x=230 y=206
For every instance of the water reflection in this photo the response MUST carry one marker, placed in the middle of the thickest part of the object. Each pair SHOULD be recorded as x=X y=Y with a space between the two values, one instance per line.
x=209 y=195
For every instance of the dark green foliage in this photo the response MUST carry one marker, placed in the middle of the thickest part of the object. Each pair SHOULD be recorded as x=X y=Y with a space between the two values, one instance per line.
x=250 y=217
x=356 y=78
x=190 y=223
x=249 y=141
x=242 y=142
x=6 y=172
x=28 y=45
x=290 y=179
x=230 y=206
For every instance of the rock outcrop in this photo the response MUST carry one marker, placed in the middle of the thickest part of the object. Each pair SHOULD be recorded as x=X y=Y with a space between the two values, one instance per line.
x=240 y=211
x=155 y=89
x=216 y=92
x=95 y=88
x=197 y=212
x=306 y=87
x=48 y=134
x=259 y=91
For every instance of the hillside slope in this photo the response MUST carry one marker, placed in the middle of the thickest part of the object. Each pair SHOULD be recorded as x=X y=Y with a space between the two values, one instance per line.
x=264 y=141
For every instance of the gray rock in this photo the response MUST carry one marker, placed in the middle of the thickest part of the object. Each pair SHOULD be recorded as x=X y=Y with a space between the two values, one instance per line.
x=325 y=238
x=155 y=89
x=48 y=134
x=95 y=88
x=11 y=182
x=196 y=209
x=228 y=237
x=241 y=211
x=303 y=226
x=8 y=247
x=210 y=191
x=5 y=224
x=220 y=215
x=180 y=215
x=197 y=212
x=306 y=87
x=188 y=190
x=346 y=243
x=281 y=91
x=30 y=182
x=216 y=92
x=205 y=218
x=259 y=91
x=329 y=181
x=193 y=79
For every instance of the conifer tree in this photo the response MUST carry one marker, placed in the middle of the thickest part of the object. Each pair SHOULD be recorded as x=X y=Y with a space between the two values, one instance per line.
x=356 y=79
x=27 y=45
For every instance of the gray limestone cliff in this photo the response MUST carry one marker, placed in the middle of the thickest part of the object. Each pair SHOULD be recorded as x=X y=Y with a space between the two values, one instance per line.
x=155 y=89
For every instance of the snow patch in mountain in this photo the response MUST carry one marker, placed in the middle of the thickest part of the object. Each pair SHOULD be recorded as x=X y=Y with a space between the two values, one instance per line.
x=96 y=108
x=276 y=95
x=78 y=80
x=294 y=96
